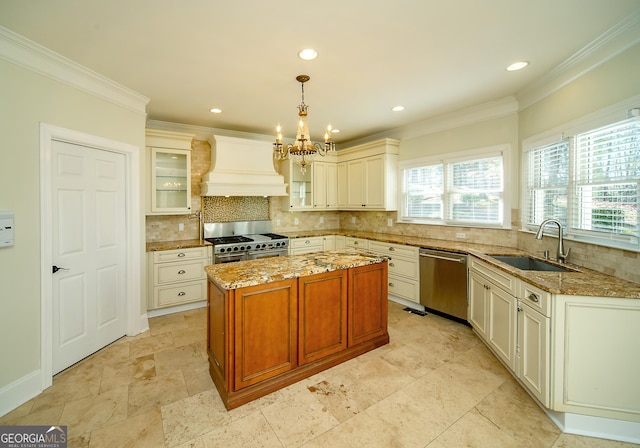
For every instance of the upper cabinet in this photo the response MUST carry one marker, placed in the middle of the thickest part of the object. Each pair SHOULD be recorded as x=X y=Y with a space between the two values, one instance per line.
x=315 y=189
x=367 y=177
x=169 y=172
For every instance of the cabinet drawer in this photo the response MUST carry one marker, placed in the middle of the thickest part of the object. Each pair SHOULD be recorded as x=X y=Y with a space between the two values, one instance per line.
x=358 y=243
x=405 y=288
x=536 y=298
x=391 y=249
x=404 y=267
x=191 y=253
x=304 y=250
x=175 y=295
x=307 y=242
x=499 y=277
x=179 y=272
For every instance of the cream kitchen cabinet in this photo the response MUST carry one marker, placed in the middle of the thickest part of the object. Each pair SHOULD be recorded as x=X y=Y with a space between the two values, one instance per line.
x=169 y=172
x=493 y=313
x=595 y=362
x=577 y=355
x=356 y=243
x=404 y=269
x=534 y=339
x=329 y=242
x=299 y=186
x=315 y=189
x=299 y=246
x=367 y=177
x=325 y=183
x=177 y=277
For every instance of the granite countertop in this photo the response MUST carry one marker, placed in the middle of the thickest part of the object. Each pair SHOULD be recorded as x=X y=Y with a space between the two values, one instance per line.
x=255 y=272
x=179 y=244
x=581 y=282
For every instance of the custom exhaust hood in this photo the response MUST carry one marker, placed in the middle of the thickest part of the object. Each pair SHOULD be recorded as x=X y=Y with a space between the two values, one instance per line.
x=241 y=167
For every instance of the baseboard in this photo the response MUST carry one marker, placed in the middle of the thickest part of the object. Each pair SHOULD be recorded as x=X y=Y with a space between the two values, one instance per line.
x=177 y=309
x=20 y=391
x=600 y=427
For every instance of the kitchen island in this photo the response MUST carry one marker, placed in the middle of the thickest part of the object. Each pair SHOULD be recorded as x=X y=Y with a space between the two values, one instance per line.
x=274 y=321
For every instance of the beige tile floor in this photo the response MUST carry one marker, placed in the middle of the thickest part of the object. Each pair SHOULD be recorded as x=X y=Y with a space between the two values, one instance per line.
x=435 y=385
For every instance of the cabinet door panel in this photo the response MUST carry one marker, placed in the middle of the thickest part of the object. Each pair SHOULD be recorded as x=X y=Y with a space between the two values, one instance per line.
x=367 y=303
x=265 y=331
x=501 y=332
x=323 y=315
x=477 y=304
x=533 y=340
x=217 y=334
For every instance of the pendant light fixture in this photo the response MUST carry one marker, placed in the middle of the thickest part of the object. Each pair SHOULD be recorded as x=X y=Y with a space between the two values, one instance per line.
x=302 y=152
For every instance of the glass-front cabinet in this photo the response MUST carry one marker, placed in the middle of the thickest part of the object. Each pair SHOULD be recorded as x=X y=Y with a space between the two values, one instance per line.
x=300 y=186
x=169 y=162
x=170 y=181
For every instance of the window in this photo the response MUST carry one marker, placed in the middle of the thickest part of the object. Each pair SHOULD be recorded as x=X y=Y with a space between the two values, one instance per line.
x=466 y=190
x=590 y=183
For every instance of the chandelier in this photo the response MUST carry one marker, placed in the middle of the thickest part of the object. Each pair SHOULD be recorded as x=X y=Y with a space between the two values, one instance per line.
x=302 y=152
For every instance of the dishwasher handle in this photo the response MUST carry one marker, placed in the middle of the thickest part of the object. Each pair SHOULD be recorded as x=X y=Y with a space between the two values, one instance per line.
x=456 y=258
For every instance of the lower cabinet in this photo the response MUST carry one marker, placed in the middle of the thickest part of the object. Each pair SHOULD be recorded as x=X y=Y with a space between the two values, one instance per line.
x=493 y=312
x=574 y=354
x=177 y=277
x=262 y=338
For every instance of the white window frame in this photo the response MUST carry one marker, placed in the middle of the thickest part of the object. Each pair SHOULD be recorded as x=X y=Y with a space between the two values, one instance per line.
x=607 y=116
x=503 y=150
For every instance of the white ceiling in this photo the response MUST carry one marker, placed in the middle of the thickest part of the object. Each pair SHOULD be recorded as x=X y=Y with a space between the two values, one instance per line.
x=432 y=56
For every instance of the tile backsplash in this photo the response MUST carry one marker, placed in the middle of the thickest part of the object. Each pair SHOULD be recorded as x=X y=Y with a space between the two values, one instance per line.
x=616 y=262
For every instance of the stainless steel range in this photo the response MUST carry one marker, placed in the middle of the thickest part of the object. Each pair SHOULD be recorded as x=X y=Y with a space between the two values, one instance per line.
x=244 y=240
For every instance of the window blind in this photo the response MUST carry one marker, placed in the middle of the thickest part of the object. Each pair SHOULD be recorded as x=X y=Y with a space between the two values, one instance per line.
x=547 y=183
x=607 y=175
x=423 y=191
x=475 y=190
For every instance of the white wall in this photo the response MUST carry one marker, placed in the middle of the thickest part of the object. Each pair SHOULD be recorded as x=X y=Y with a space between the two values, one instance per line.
x=28 y=99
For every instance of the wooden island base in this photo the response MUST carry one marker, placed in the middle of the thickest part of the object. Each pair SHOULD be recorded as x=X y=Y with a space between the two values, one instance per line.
x=265 y=337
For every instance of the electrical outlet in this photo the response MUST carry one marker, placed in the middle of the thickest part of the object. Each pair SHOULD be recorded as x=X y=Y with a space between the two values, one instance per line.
x=322 y=220
x=461 y=235
x=353 y=220
x=296 y=221
x=390 y=222
x=277 y=223
x=181 y=227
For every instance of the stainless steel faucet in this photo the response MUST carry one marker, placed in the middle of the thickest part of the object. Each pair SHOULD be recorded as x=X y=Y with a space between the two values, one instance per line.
x=561 y=256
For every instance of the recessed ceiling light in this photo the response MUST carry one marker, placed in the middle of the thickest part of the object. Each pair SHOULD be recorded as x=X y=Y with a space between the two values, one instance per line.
x=517 y=66
x=215 y=110
x=397 y=108
x=335 y=131
x=308 y=54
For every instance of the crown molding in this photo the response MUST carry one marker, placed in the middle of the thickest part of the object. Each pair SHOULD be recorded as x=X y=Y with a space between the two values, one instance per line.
x=617 y=39
x=203 y=132
x=27 y=54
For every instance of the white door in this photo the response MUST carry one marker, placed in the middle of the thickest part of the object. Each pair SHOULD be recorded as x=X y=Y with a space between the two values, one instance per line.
x=88 y=232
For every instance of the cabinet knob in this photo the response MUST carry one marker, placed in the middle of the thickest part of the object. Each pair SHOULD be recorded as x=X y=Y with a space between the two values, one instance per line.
x=391 y=264
x=182 y=254
x=534 y=298
x=391 y=249
x=519 y=309
x=355 y=243
x=391 y=284
x=307 y=242
x=182 y=271
x=182 y=293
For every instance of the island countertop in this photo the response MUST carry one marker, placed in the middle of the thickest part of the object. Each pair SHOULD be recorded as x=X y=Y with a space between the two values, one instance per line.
x=266 y=270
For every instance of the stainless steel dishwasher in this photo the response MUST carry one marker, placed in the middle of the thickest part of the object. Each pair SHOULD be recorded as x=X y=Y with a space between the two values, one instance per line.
x=443 y=283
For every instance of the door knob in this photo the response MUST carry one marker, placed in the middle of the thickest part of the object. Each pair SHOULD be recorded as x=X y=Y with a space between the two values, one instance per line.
x=56 y=269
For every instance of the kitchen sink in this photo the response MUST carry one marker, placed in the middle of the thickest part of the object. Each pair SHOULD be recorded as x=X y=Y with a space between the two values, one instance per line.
x=531 y=264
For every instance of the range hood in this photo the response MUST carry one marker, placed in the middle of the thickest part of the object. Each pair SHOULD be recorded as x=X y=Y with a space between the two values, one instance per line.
x=241 y=167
